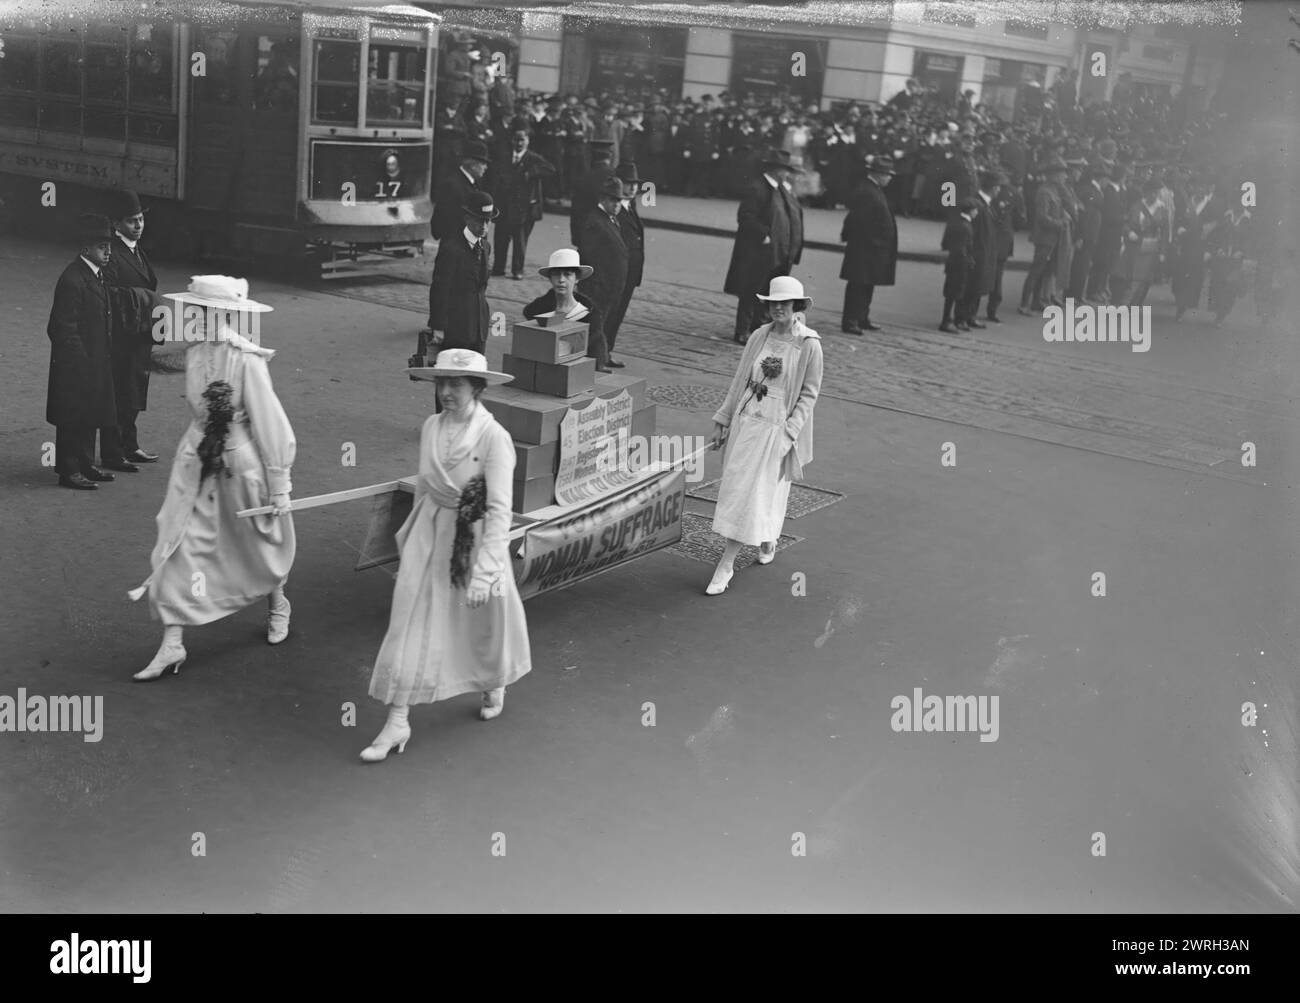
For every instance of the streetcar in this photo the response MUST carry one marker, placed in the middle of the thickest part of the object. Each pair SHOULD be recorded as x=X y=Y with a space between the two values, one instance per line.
x=250 y=129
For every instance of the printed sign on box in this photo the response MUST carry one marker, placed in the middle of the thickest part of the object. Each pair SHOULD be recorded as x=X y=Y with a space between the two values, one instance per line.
x=589 y=442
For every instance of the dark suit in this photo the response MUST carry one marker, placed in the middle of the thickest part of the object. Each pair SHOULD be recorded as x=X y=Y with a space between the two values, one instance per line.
x=1114 y=210
x=765 y=212
x=458 y=303
x=603 y=248
x=79 y=396
x=518 y=191
x=1008 y=214
x=871 y=250
x=984 y=253
x=633 y=231
x=132 y=341
x=1088 y=229
x=448 y=216
x=586 y=197
x=958 y=241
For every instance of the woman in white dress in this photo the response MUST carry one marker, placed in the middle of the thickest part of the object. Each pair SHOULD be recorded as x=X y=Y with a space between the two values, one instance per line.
x=236 y=453
x=766 y=423
x=457 y=623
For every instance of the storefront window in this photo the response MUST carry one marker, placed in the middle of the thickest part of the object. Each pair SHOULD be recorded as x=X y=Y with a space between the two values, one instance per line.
x=938 y=72
x=337 y=88
x=761 y=64
x=637 y=61
x=395 y=85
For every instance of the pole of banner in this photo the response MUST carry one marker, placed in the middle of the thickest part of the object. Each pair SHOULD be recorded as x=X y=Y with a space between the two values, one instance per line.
x=650 y=471
x=316 y=501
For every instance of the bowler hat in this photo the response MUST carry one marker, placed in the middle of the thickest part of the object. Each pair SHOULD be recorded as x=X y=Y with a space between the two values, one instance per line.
x=93 y=229
x=124 y=203
x=566 y=259
x=520 y=124
x=475 y=150
x=480 y=204
x=780 y=158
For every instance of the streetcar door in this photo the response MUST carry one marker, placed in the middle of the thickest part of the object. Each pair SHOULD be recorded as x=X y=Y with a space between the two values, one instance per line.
x=243 y=149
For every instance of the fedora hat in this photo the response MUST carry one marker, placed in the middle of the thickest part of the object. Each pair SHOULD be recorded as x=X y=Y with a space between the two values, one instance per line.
x=93 y=229
x=785 y=287
x=124 y=203
x=566 y=259
x=612 y=187
x=220 y=292
x=881 y=165
x=475 y=150
x=480 y=204
x=780 y=158
x=459 y=362
x=626 y=172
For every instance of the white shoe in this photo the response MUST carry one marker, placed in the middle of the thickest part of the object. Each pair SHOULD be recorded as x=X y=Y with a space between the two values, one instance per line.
x=766 y=556
x=277 y=623
x=719 y=583
x=379 y=749
x=167 y=658
x=494 y=702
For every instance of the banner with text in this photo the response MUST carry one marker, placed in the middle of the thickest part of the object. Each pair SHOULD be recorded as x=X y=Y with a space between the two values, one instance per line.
x=610 y=531
x=590 y=466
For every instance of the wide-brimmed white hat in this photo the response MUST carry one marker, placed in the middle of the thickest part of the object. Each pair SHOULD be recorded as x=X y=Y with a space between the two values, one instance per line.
x=459 y=362
x=566 y=259
x=220 y=292
x=785 y=287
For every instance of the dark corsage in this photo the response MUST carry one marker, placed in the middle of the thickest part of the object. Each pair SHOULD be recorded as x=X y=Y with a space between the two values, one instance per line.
x=220 y=414
x=472 y=508
x=771 y=369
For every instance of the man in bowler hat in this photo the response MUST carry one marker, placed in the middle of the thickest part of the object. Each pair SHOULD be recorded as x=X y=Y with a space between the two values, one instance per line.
x=133 y=292
x=452 y=192
x=458 y=306
x=870 y=236
x=80 y=398
x=633 y=230
x=587 y=189
x=604 y=248
x=769 y=239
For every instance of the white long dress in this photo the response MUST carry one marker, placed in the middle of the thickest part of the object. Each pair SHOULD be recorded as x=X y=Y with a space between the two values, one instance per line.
x=753 y=495
x=207 y=562
x=436 y=646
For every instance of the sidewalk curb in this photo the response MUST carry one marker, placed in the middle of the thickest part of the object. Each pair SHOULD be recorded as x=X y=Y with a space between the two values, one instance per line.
x=1013 y=265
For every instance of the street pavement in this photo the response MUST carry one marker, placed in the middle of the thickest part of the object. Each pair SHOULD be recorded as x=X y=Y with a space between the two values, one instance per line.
x=1119 y=715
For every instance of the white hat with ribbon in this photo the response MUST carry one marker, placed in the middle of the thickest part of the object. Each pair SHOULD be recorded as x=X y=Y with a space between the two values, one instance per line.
x=459 y=362
x=566 y=259
x=219 y=292
x=785 y=287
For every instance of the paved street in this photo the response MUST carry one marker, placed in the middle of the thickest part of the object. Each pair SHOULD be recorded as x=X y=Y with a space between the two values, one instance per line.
x=1120 y=714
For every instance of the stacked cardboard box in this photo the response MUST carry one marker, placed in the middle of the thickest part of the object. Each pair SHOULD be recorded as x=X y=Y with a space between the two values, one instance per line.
x=552 y=375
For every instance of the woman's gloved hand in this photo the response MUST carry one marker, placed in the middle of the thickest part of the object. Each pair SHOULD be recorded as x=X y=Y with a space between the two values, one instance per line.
x=280 y=504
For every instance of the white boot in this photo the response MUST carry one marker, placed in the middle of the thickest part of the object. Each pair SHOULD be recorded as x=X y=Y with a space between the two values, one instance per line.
x=494 y=702
x=396 y=733
x=277 y=617
x=171 y=655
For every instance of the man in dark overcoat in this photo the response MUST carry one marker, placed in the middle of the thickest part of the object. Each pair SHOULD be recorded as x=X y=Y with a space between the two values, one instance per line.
x=1046 y=233
x=1008 y=211
x=769 y=239
x=870 y=236
x=133 y=293
x=516 y=181
x=604 y=249
x=633 y=230
x=458 y=306
x=586 y=192
x=1089 y=195
x=448 y=216
x=984 y=251
x=79 y=397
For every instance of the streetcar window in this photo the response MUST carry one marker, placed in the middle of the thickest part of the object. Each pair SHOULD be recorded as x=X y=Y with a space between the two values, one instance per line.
x=217 y=84
x=18 y=68
x=276 y=85
x=62 y=66
x=336 y=89
x=395 y=85
x=151 y=66
x=105 y=74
